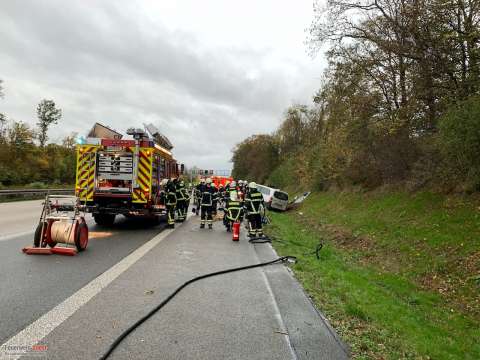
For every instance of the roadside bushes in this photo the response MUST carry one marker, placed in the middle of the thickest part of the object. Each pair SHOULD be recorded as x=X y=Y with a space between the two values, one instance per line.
x=255 y=158
x=398 y=103
x=314 y=152
x=459 y=141
x=22 y=162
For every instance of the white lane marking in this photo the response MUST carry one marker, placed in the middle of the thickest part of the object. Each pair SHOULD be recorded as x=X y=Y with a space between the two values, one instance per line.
x=278 y=316
x=276 y=310
x=44 y=325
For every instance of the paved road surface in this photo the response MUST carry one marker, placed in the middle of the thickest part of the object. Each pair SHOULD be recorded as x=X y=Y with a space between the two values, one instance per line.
x=32 y=285
x=19 y=217
x=256 y=314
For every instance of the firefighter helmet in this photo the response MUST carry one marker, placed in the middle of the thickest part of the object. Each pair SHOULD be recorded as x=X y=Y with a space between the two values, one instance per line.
x=252 y=185
x=209 y=180
x=233 y=184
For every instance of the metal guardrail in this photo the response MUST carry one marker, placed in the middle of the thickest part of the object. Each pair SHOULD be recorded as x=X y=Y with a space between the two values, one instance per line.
x=27 y=192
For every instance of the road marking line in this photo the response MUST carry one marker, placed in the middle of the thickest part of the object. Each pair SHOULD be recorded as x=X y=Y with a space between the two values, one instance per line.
x=276 y=310
x=44 y=325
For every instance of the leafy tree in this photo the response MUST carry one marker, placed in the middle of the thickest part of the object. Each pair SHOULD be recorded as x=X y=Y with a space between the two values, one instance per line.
x=460 y=140
x=255 y=158
x=22 y=162
x=20 y=136
x=70 y=140
x=47 y=114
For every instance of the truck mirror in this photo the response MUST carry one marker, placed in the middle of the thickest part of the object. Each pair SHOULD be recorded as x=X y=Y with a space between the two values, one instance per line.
x=182 y=169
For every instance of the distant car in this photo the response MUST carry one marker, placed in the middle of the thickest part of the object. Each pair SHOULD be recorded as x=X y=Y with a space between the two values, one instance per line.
x=274 y=198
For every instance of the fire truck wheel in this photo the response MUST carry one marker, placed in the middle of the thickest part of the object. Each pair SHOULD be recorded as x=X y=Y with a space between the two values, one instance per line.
x=104 y=219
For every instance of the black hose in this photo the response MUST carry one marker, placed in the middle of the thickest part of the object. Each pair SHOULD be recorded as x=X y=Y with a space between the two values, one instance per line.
x=125 y=333
x=316 y=252
x=260 y=240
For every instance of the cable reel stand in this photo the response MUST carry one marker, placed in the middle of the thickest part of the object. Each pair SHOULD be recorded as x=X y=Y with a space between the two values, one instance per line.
x=62 y=228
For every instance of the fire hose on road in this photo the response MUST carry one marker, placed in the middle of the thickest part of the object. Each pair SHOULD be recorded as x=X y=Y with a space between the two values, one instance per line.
x=283 y=259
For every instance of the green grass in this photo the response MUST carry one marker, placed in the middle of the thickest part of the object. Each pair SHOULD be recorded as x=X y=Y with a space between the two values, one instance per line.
x=429 y=238
x=384 y=311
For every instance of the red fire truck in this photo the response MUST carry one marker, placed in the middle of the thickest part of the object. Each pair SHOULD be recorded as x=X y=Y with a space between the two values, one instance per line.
x=116 y=176
x=221 y=180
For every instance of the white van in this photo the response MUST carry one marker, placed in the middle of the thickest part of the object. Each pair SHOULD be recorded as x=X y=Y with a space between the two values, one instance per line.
x=274 y=198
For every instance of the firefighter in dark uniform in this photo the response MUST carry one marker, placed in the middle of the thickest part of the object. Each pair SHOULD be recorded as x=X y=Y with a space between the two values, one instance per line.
x=220 y=196
x=253 y=206
x=233 y=206
x=170 y=202
x=182 y=200
x=198 y=195
x=229 y=187
x=214 y=200
x=206 y=203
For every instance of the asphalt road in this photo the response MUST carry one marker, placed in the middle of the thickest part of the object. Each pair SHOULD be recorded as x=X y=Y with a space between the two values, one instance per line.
x=18 y=217
x=32 y=285
x=255 y=314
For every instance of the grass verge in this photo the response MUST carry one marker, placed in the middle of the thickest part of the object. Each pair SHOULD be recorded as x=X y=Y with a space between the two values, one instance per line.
x=370 y=279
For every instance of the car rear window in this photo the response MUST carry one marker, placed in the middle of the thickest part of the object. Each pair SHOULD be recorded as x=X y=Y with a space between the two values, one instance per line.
x=280 y=195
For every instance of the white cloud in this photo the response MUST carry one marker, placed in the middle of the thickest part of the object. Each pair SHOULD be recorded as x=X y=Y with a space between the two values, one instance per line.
x=208 y=73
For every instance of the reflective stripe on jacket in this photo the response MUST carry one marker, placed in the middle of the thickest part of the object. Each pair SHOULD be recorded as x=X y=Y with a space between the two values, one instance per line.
x=253 y=201
x=234 y=210
x=171 y=198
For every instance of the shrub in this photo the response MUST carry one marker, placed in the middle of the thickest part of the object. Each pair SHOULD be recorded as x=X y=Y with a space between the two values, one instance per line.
x=459 y=131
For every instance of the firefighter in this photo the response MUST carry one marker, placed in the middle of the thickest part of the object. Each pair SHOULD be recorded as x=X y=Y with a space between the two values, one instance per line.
x=206 y=202
x=241 y=189
x=232 y=188
x=170 y=202
x=182 y=200
x=253 y=206
x=233 y=207
x=186 y=195
x=221 y=196
x=214 y=200
x=198 y=195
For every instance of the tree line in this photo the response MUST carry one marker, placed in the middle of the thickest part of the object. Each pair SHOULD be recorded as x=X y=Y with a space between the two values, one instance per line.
x=398 y=103
x=25 y=156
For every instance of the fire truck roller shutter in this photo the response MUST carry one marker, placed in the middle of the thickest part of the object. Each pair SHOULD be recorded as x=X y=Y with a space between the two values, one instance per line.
x=144 y=176
x=85 y=179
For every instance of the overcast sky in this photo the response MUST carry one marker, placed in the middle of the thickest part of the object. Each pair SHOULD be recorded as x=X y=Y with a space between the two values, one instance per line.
x=208 y=73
